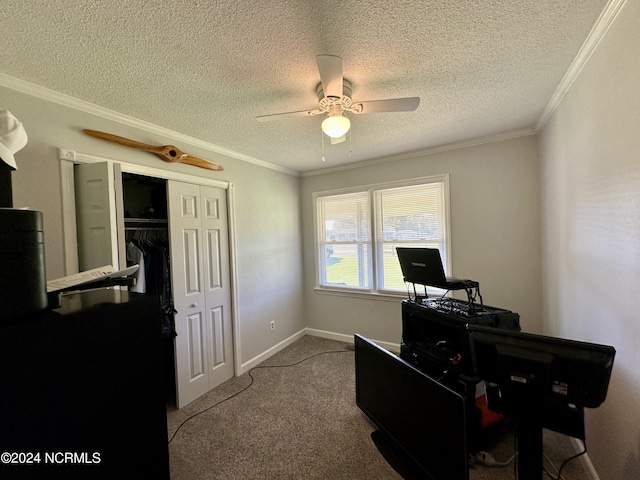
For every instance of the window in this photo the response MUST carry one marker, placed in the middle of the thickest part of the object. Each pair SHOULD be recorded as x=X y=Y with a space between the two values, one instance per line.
x=358 y=232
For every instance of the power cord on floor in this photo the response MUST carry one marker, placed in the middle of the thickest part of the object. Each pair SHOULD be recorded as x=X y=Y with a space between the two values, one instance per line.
x=348 y=349
x=544 y=470
x=488 y=460
x=564 y=464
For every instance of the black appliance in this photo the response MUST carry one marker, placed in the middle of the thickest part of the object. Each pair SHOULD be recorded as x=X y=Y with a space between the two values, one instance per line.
x=23 y=285
x=420 y=416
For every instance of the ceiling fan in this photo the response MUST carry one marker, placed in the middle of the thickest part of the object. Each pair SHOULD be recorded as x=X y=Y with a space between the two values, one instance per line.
x=168 y=153
x=334 y=99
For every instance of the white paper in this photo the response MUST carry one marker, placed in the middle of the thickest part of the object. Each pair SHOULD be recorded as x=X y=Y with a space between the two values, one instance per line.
x=89 y=276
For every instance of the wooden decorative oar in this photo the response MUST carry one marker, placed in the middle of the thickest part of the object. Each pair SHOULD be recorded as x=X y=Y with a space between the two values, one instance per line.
x=168 y=153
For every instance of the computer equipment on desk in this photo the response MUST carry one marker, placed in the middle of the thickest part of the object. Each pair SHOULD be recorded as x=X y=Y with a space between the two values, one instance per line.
x=434 y=330
x=437 y=339
x=424 y=267
x=455 y=306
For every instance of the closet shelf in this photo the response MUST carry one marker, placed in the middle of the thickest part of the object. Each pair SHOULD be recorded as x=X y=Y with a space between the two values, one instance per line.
x=132 y=220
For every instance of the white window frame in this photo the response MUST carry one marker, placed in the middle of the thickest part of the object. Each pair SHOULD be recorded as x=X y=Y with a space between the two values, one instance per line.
x=375 y=229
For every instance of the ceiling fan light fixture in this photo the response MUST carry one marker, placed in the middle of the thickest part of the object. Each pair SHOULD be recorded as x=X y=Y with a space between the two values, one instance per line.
x=336 y=126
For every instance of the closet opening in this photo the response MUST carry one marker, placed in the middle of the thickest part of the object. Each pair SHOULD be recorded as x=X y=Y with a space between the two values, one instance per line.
x=146 y=228
x=111 y=210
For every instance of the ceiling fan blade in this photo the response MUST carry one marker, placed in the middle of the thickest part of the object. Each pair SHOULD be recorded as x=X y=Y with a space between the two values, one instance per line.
x=168 y=153
x=330 y=68
x=338 y=140
x=392 y=105
x=278 y=116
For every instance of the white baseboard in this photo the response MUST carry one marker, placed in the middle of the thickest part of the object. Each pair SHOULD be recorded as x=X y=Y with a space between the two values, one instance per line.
x=586 y=461
x=258 y=359
x=245 y=367
x=341 y=337
x=393 y=347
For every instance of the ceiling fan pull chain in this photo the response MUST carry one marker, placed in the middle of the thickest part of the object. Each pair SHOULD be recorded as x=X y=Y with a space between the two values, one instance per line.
x=350 y=149
x=322 y=139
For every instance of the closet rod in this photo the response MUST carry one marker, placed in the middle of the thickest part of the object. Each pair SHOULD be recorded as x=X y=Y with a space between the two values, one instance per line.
x=145 y=228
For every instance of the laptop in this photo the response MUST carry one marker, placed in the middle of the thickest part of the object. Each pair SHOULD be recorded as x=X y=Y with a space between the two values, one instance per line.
x=424 y=267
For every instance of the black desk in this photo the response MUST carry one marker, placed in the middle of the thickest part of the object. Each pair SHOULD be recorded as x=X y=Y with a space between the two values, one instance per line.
x=435 y=340
x=81 y=390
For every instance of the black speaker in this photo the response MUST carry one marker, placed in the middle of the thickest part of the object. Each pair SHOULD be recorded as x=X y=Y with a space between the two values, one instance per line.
x=23 y=284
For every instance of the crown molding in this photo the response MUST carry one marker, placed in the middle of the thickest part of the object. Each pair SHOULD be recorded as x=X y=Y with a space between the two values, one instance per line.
x=93 y=109
x=589 y=46
x=472 y=142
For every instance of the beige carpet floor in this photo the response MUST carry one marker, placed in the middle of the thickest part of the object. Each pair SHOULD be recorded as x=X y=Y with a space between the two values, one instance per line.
x=295 y=417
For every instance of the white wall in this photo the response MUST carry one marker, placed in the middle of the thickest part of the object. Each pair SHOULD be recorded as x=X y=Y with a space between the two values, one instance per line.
x=267 y=209
x=495 y=232
x=590 y=174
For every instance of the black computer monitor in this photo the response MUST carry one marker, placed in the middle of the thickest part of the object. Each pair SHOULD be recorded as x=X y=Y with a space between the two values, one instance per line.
x=421 y=417
x=567 y=370
x=540 y=381
x=424 y=266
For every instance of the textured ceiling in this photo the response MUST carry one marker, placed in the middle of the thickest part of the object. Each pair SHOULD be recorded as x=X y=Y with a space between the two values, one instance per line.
x=206 y=69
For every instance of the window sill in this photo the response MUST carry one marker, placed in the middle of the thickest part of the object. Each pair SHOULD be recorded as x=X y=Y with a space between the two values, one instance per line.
x=361 y=295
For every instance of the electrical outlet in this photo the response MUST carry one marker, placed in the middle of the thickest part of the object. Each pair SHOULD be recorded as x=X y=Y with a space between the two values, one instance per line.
x=273 y=325
x=485 y=458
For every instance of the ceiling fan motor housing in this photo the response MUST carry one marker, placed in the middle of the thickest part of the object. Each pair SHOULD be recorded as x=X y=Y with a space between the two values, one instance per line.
x=325 y=103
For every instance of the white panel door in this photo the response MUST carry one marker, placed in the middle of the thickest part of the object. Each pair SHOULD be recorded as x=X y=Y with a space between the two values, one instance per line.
x=187 y=284
x=217 y=284
x=98 y=193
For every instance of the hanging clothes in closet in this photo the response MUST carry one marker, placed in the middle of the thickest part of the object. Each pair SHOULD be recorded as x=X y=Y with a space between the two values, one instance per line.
x=149 y=248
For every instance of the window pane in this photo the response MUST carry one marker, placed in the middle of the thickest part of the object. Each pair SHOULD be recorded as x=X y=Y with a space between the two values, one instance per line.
x=393 y=279
x=411 y=216
x=347 y=265
x=343 y=240
x=346 y=217
x=412 y=213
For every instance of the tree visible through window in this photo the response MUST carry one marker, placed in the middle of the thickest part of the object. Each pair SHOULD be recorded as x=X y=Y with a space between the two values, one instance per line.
x=359 y=231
